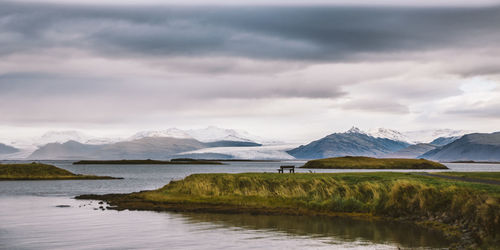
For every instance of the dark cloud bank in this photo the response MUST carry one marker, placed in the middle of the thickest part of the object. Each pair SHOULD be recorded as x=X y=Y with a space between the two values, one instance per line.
x=328 y=33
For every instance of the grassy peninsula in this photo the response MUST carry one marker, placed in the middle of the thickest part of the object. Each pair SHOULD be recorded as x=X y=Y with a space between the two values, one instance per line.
x=39 y=171
x=148 y=161
x=360 y=162
x=467 y=213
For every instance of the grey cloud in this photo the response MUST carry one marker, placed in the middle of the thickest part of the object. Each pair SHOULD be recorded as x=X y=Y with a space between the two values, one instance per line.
x=379 y=106
x=329 y=33
x=491 y=111
x=45 y=86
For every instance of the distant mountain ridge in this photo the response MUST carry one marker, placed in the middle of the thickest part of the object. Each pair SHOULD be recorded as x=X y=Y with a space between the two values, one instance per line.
x=412 y=151
x=229 y=143
x=353 y=142
x=6 y=149
x=208 y=134
x=470 y=147
x=418 y=136
x=441 y=141
x=214 y=136
x=143 y=148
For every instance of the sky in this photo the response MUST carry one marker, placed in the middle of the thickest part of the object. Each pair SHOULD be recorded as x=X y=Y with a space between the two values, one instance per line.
x=289 y=70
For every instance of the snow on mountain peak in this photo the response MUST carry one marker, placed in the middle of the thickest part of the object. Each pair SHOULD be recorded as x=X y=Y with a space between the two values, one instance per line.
x=171 y=132
x=355 y=130
x=61 y=137
x=428 y=135
x=70 y=135
x=389 y=134
x=208 y=134
x=414 y=137
x=212 y=133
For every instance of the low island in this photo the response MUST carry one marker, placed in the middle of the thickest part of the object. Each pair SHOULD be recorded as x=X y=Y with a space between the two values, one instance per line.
x=361 y=162
x=465 y=213
x=39 y=171
x=179 y=161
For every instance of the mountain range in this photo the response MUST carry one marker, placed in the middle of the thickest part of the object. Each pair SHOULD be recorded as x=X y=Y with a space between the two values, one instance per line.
x=417 y=136
x=156 y=144
x=214 y=142
x=354 y=142
x=208 y=134
x=144 y=148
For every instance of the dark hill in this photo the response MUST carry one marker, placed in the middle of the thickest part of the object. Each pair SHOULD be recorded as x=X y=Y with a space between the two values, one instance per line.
x=6 y=149
x=470 y=147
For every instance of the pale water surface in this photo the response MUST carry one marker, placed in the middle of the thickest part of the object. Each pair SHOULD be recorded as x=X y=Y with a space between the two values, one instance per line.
x=30 y=218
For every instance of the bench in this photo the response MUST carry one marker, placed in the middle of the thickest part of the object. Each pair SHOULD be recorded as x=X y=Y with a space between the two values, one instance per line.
x=290 y=168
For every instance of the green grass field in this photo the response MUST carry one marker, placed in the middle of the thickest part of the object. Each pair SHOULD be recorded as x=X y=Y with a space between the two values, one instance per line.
x=360 y=162
x=38 y=171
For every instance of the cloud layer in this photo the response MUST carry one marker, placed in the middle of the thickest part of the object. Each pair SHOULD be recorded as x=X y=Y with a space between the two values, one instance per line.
x=252 y=67
x=311 y=33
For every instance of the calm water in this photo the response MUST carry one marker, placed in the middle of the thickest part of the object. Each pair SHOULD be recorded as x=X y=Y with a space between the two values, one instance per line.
x=30 y=218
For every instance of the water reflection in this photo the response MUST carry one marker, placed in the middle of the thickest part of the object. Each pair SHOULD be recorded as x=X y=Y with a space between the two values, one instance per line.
x=30 y=218
x=339 y=229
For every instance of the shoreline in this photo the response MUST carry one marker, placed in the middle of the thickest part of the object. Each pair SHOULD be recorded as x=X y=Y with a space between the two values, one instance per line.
x=463 y=212
x=147 y=162
x=460 y=236
x=85 y=177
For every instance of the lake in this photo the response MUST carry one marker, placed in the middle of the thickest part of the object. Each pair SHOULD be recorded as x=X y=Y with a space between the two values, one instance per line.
x=31 y=219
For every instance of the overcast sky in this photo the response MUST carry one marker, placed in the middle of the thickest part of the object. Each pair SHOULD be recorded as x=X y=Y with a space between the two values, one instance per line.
x=291 y=70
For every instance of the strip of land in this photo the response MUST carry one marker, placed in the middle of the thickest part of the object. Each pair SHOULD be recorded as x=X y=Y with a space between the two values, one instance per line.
x=467 y=213
x=148 y=162
x=477 y=177
x=360 y=162
x=477 y=162
x=39 y=171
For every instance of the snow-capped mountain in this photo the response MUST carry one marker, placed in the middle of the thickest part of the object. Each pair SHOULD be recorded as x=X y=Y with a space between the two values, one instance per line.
x=428 y=135
x=212 y=133
x=389 y=134
x=412 y=137
x=355 y=130
x=71 y=135
x=28 y=145
x=171 y=132
x=354 y=142
x=208 y=134
x=61 y=137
